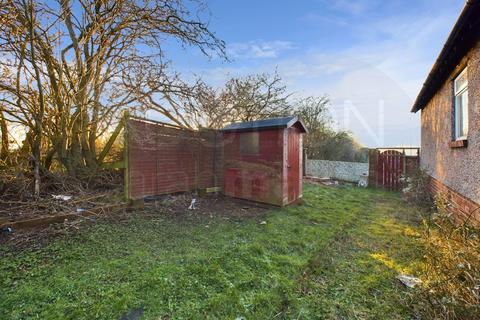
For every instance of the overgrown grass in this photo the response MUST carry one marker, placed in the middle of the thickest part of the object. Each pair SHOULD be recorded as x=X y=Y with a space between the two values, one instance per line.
x=452 y=266
x=333 y=257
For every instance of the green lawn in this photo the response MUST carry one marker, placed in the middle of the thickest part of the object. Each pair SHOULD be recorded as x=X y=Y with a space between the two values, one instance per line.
x=335 y=256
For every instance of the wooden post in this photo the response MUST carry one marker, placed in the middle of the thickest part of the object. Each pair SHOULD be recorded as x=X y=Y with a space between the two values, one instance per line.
x=372 y=167
x=304 y=162
x=126 y=181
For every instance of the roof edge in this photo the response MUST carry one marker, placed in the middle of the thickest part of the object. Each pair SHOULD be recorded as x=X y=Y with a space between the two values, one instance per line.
x=291 y=122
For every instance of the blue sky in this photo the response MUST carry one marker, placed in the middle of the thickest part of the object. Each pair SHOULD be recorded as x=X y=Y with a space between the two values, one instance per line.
x=369 y=56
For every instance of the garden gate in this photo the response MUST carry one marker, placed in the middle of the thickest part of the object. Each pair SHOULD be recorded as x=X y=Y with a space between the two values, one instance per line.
x=390 y=169
x=388 y=166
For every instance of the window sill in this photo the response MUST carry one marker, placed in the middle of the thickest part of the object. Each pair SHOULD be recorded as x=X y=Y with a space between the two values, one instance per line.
x=458 y=144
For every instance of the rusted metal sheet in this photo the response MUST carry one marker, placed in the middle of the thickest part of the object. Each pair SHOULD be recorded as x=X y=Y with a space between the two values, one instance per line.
x=165 y=160
x=256 y=177
x=248 y=164
x=273 y=175
x=293 y=164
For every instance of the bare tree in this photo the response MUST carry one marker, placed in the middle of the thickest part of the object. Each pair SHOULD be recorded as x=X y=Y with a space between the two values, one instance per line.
x=68 y=62
x=4 y=147
x=256 y=97
x=241 y=99
x=322 y=141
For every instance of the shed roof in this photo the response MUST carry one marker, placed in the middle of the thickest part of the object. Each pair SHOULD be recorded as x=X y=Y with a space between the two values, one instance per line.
x=462 y=38
x=285 y=122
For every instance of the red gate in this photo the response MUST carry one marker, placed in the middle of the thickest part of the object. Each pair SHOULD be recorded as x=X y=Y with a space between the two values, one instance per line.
x=390 y=169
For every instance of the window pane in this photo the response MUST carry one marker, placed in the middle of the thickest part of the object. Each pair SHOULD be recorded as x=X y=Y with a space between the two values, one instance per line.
x=458 y=118
x=249 y=143
x=461 y=115
x=461 y=81
x=464 y=113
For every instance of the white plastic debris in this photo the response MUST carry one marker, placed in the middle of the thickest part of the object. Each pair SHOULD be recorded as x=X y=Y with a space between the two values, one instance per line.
x=263 y=222
x=61 y=197
x=409 y=281
x=192 y=204
x=81 y=210
x=362 y=184
x=6 y=230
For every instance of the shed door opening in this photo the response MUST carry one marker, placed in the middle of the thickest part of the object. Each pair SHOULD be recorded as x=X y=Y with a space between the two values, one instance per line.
x=293 y=162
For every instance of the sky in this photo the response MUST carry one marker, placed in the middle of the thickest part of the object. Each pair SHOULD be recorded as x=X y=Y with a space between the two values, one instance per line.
x=370 y=57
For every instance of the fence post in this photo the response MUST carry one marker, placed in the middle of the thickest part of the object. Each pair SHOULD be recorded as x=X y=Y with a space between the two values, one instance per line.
x=126 y=179
x=372 y=167
x=304 y=162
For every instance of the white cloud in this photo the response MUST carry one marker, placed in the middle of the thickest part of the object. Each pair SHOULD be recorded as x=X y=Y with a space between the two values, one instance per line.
x=380 y=74
x=259 y=49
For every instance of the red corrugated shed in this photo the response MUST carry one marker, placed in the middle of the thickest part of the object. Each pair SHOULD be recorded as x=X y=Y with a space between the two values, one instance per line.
x=263 y=160
x=163 y=160
x=258 y=160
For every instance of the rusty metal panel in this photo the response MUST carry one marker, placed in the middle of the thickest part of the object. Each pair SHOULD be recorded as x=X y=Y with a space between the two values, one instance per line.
x=163 y=160
x=293 y=164
x=256 y=177
x=166 y=160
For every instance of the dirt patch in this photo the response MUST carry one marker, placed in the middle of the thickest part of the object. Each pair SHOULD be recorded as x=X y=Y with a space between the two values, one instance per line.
x=177 y=206
x=326 y=181
x=172 y=206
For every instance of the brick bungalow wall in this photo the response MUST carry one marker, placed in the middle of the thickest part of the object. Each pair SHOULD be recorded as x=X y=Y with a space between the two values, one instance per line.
x=462 y=207
x=456 y=171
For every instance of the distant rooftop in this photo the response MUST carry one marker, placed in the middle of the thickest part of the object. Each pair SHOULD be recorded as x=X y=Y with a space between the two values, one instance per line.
x=285 y=122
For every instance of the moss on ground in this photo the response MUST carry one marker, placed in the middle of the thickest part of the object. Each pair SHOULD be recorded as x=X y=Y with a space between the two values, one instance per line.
x=335 y=256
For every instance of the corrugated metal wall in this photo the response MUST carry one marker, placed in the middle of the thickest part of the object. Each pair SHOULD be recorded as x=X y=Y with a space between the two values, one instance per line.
x=256 y=177
x=163 y=159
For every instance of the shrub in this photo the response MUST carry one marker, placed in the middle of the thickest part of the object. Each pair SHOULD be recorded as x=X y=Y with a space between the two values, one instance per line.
x=452 y=268
x=417 y=190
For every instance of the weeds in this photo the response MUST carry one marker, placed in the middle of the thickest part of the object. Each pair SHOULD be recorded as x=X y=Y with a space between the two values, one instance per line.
x=417 y=190
x=452 y=267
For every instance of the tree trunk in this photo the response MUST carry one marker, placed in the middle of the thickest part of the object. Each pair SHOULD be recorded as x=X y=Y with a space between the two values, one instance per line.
x=37 y=140
x=5 y=149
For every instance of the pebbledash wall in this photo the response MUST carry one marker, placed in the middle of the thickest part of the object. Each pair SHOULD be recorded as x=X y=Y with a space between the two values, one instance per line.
x=455 y=171
x=345 y=171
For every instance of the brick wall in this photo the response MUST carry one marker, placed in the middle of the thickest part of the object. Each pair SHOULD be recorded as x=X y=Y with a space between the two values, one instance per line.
x=412 y=163
x=460 y=206
x=372 y=167
x=457 y=168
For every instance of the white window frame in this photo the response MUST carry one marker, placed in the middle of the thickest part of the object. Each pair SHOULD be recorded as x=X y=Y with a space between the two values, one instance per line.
x=460 y=115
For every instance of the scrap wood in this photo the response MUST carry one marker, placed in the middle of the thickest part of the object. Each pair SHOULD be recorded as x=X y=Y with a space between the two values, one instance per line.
x=50 y=219
x=14 y=210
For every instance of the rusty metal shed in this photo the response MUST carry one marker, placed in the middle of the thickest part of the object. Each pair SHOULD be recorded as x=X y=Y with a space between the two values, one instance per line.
x=257 y=160
x=263 y=160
